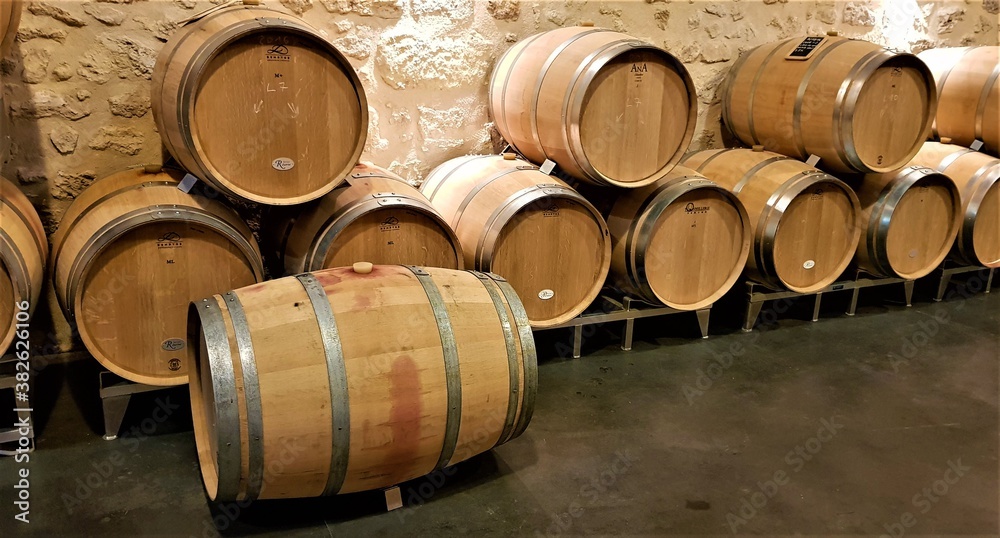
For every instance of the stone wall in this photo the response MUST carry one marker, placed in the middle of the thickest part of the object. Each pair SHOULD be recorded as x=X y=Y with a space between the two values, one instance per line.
x=77 y=80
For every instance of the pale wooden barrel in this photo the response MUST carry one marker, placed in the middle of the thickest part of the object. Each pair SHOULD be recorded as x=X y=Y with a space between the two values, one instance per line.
x=23 y=251
x=911 y=218
x=532 y=229
x=131 y=252
x=260 y=104
x=804 y=222
x=378 y=217
x=968 y=82
x=856 y=105
x=10 y=18
x=977 y=177
x=344 y=380
x=607 y=108
x=682 y=241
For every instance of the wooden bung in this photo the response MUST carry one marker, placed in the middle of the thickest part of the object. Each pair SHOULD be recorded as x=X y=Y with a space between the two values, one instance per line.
x=977 y=177
x=607 y=108
x=23 y=254
x=682 y=241
x=259 y=104
x=363 y=380
x=375 y=216
x=968 y=83
x=804 y=222
x=130 y=253
x=532 y=229
x=856 y=105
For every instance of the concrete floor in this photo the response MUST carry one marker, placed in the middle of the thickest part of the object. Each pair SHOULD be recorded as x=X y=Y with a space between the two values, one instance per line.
x=634 y=443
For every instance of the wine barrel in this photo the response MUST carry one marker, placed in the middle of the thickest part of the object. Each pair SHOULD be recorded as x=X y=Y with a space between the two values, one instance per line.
x=607 y=108
x=977 y=177
x=856 y=105
x=23 y=250
x=260 y=104
x=911 y=218
x=532 y=229
x=131 y=253
x=348 y=380
x=10 y=18
x=968 y=82
x=378 y=217
x=682 y=241
x=804 y=222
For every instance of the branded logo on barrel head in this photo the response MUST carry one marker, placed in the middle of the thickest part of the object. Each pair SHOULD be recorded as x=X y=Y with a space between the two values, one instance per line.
x=695 y=209
x=174 y=364
x=391 y=223
x=818 y=193
x=551 y=211
x=172 y=344
x=278 y=53
x=636 y=68
x=169 y=240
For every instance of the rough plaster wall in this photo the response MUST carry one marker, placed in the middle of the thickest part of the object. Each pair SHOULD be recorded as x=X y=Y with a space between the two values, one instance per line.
x=77 y=81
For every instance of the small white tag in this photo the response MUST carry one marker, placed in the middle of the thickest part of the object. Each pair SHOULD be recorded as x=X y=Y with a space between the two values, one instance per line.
x=187 y=183
x=977 y=145
x=813 y=160
x=545 y=295
x=809 y=264
x=282 y=164
x=547 y=167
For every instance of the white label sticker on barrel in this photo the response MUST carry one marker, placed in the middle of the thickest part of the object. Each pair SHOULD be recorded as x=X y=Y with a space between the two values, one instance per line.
x=545 y=295
x=282 y=164
x=809 y=264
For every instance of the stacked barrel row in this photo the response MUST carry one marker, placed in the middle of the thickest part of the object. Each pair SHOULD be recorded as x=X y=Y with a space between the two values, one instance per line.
x=257 y=105
x=863 y=112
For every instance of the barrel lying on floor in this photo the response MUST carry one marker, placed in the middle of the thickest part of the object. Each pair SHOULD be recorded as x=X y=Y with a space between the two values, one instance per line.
x=348 y=379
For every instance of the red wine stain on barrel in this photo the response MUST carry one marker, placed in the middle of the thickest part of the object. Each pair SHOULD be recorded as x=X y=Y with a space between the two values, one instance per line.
x=404 y=417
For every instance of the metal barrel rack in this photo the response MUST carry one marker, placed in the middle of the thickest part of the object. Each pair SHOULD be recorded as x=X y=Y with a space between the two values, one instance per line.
x=949 y=269
x=116 y=393
x=627 y=309
x=758 y=294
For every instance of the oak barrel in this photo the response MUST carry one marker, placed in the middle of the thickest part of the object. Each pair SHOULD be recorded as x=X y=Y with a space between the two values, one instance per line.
x=377 y=217
x=347 y=380
x=977 y=177
x=607 y=108
x=968 y=82
x=260 y=104
x=23 y=251
x=131 y=253
x=682 y=241
x=10 y=18
x=532 y=229
x=911 y=218
x=804 y=222
x=856 y=105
